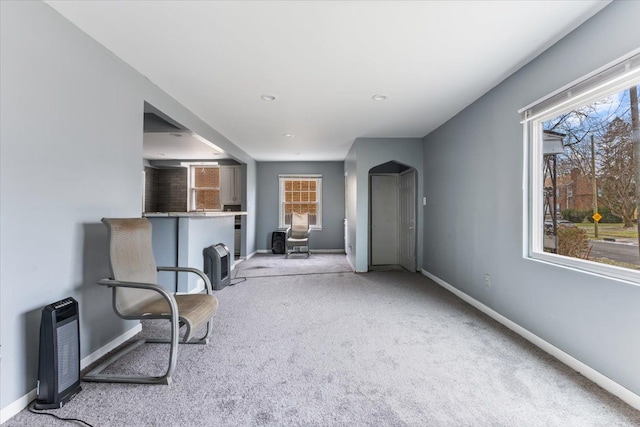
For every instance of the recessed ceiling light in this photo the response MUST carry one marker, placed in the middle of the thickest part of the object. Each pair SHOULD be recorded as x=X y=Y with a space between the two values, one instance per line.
x=268 y=97
x=288 y=135
x=379 y=97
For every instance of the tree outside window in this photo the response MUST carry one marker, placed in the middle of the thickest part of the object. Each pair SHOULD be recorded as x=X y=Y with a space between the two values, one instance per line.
x=596 y=180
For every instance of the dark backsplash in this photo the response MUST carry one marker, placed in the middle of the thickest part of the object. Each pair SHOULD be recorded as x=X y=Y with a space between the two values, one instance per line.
x=165 y=190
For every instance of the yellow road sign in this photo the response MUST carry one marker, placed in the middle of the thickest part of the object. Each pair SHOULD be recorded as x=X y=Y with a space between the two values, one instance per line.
x=596 y=217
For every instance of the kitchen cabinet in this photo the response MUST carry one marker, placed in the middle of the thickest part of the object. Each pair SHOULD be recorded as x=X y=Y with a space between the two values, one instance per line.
x=230 y=185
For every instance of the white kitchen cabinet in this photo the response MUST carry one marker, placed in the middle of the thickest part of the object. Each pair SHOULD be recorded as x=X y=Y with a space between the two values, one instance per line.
x=231 y=185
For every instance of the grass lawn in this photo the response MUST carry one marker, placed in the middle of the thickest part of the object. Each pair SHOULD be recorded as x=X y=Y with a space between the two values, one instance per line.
x=617 y=263
x=610 y=230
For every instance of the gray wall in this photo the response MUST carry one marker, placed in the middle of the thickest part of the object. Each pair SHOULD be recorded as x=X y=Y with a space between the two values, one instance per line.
x=474 y=188
x=332 y=234
x=351 y=202
x=71 y=151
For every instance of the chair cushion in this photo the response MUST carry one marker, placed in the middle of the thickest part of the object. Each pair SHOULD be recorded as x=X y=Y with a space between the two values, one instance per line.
x=199 y=308
x=194 y=309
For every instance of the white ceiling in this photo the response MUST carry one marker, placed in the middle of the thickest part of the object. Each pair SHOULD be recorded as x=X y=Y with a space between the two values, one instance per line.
x=324 y=61
x=179 y=146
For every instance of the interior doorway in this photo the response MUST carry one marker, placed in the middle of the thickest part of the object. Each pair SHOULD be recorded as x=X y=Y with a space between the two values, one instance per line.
x=392 y=215
x=384 y=219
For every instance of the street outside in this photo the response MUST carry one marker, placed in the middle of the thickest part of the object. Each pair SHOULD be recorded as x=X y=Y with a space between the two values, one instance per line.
x=626 y=252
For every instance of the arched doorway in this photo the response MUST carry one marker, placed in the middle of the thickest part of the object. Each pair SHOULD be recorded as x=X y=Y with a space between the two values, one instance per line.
x=392 y=215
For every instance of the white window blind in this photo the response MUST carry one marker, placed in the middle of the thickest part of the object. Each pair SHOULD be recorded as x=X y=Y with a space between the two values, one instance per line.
x=613 y=77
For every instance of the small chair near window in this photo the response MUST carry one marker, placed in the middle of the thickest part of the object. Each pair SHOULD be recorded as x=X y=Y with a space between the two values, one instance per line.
x=137 y=296
x=298 y=234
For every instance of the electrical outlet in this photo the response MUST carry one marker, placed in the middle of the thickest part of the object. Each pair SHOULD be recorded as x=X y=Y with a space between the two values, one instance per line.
x=487 y=281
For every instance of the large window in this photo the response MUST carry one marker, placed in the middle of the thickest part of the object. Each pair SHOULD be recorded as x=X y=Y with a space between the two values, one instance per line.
x=204 y=188
x=584 y=173
x=301 y=194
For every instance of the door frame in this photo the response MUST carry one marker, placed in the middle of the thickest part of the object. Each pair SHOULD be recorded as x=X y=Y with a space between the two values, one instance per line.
x=404 y=169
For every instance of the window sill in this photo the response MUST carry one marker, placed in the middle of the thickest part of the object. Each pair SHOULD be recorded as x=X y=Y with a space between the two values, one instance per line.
x=599 y=270
x=284 y=228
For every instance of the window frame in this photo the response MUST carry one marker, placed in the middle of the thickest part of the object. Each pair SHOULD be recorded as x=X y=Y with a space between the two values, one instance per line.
x=281 y=196
x=589 y=89
x=192 y=187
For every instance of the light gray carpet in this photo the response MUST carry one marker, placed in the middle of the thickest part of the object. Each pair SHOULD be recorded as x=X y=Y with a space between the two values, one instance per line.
x=384 y=348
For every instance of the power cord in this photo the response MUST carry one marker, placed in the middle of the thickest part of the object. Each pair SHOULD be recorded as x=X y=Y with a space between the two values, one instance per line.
x=243 y=279
x=33 y=410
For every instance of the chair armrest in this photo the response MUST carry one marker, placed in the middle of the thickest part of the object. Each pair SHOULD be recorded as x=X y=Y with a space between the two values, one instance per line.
x=139 y=285
x=207 y=282
x=287 y=232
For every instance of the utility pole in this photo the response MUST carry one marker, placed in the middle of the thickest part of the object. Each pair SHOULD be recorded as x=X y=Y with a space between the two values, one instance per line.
x=635 y=137
x=594 y=184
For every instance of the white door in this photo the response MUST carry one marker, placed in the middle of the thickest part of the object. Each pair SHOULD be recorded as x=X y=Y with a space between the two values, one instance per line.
x=384 y=219
x=408 y=220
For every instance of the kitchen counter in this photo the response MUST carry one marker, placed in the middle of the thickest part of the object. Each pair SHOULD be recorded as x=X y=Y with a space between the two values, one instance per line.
x=192 y=214
x=180 y=237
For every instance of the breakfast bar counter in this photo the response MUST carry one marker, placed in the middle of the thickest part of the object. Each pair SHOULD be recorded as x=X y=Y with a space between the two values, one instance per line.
x=179 y=239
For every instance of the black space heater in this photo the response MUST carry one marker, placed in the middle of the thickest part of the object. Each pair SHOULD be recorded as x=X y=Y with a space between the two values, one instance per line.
x=59 y=364
x=217 y=265
x=277 y=242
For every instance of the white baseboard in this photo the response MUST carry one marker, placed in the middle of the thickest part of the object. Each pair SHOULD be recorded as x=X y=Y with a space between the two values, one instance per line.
x=251 y=254
x=111 y=345
x=199 y=286
x=313 y=251
x=12 y=409
x=606 y=383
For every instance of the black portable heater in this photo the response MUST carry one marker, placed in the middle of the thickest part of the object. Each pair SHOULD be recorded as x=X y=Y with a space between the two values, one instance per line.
x=217 y=265
x=59 y=364
x=277 y=242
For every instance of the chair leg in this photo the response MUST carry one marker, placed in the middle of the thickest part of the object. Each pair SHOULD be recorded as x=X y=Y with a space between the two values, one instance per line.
x=187 y=339
x=299 y=251
x=96 y=375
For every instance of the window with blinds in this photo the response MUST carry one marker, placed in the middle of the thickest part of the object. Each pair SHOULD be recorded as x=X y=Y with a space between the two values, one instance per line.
x=583 y=172
x=205 y=188
x=301 y=194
